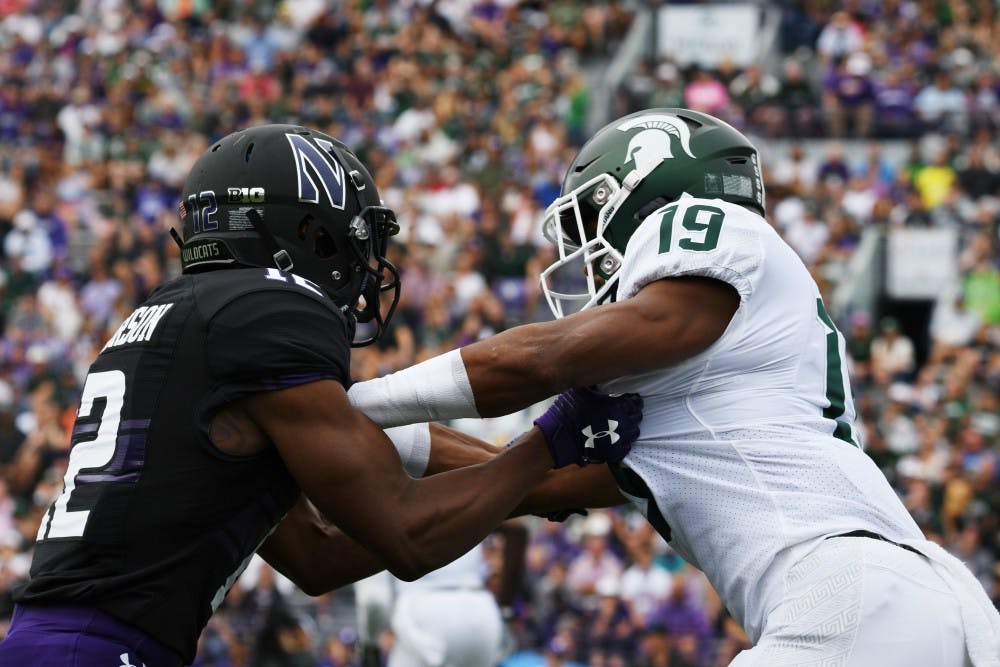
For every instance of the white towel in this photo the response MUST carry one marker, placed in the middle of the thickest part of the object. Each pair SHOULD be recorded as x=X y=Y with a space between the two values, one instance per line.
x=979 y=617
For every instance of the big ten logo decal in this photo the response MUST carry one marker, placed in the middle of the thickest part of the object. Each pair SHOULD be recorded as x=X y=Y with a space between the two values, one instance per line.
x=246 y=195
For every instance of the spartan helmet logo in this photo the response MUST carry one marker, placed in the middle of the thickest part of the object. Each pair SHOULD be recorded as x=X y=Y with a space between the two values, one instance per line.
x=651 y=146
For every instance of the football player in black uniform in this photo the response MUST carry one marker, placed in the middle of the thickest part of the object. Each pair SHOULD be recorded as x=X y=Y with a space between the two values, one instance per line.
x=215 y=423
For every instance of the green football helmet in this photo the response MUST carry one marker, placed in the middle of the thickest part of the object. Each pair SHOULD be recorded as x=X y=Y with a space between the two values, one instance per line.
x=630 y=168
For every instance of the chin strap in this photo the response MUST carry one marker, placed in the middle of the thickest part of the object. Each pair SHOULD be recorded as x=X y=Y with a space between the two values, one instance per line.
x=177 y=238
x=282 y=259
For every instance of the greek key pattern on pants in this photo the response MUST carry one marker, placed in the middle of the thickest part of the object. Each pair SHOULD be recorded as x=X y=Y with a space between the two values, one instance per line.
x=824 y=616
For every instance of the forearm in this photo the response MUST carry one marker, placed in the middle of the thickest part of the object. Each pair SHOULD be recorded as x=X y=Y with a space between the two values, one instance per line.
x=507 y=372
x=427 y=449
x=522 y=366
x=447 y=514
x=315 y=554
x=451 y=449
x=571 y=488
x=565 y=488
x=433 y=390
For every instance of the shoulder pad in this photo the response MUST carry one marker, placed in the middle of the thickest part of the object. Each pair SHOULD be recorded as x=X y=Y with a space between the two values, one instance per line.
x=215 y=289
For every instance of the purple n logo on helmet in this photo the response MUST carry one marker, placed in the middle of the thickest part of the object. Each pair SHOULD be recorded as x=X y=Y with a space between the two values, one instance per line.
x=310 y=161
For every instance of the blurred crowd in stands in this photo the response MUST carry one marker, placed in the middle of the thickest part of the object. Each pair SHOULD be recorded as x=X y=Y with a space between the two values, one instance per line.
x=467 y=113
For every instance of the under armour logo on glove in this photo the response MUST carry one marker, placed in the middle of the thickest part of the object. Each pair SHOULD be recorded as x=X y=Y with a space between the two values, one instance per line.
x=591 y=437
x=574 y=413
x=125 y=661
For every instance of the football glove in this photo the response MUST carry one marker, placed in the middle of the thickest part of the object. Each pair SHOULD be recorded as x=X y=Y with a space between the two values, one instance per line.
x=583 y=426
x=559 y=516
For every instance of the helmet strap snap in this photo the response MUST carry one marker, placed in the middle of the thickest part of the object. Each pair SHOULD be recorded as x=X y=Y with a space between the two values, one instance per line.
x=283 y=261
x=631 y=180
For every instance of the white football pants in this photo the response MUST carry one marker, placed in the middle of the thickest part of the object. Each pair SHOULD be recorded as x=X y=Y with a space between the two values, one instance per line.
x=861 y=602
x=450 y=627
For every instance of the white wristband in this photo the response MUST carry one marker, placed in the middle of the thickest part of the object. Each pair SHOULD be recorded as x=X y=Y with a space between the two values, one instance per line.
x=432 y=390
x=413 y=442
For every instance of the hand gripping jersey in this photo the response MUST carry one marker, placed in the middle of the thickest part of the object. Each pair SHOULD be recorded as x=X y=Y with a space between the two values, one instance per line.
x=154 y=523
x=748 y=455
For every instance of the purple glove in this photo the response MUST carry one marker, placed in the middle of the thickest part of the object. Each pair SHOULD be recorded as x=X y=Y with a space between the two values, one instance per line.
x=583 y=426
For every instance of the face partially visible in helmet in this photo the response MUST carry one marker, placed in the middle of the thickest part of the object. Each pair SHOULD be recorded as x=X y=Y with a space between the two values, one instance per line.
x=627 y=170
x=297 y=200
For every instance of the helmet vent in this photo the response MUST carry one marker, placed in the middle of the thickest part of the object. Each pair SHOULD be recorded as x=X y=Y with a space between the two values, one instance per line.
x=249 y=151
x=216 y=147
x=303 y=230
x=737 y=160
x=323 y=244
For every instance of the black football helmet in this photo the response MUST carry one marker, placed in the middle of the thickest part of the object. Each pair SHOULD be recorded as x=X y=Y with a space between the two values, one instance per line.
x=299 y=201
x=627 y=170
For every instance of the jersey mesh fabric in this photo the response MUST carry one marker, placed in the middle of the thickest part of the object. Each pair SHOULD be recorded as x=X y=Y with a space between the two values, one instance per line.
x=738 y=444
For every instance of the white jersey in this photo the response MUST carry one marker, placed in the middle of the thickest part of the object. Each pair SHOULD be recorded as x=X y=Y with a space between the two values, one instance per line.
x=749 y=448
x=468 y=571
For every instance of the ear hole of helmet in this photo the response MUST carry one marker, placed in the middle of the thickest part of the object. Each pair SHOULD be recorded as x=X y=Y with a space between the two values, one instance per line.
x=649 y=207
x=303 y=230
x=323 y=244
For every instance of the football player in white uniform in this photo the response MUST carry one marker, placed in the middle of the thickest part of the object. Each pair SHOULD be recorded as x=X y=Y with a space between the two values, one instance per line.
x=447 y=618
x=748 y=460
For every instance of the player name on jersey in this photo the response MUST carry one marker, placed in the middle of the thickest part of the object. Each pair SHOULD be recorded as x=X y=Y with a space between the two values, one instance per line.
x=139 y=326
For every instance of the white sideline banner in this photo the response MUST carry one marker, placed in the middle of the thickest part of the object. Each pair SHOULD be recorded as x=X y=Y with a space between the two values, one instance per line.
x=707 y=35
x=920 y=263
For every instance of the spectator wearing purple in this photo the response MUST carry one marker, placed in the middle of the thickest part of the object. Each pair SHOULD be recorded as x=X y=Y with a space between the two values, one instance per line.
x=894 y=112
x=849 y=97
x=683 y=617
x=833 y=164
x=608 y=631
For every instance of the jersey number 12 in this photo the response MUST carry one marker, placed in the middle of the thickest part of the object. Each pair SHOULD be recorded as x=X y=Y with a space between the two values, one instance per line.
x=88 y=455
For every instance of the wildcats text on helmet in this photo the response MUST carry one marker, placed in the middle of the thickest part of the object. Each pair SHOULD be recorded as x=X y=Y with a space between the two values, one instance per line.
x=200 y=252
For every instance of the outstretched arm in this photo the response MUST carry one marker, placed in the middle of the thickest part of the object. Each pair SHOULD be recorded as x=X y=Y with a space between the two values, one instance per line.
x=668 y=321
x=319 y=557
x=665 y=323
x=350 y=471
x=560 y=489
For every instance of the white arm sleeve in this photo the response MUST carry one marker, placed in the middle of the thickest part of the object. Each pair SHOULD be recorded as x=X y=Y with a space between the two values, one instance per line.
x=413 y=443
x=432 y=390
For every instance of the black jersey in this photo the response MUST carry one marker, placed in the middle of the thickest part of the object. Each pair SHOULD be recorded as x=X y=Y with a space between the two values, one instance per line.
x=155 y=524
